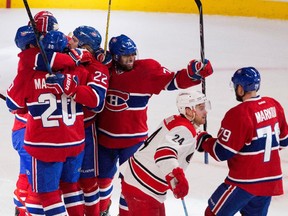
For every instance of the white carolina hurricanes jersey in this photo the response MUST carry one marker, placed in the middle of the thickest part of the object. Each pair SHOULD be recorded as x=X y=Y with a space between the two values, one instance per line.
x=171 y=145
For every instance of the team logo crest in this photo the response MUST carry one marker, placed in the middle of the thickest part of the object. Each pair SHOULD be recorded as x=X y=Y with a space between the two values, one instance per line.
x=24 y=33
x=94 y=34
x=117 y=101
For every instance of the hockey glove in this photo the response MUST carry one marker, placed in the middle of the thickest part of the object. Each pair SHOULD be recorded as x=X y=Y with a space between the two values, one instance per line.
x=60 y=83
x=80 y=56
x=197 y=70
x=104 y=58
x=54 y=83
x=178 y=183
x=70 y=84
x=200 y=139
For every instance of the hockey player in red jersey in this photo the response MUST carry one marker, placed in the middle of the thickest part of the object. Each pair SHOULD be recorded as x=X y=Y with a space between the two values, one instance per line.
x=131 y=85
x=250 y=137
x=25 y=39
x=55 y=128
x=159 y=163
x=87 y=37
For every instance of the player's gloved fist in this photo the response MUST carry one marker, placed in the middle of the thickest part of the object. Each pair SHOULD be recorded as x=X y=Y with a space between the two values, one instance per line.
x=70 y=84
x=80 y=56
x=200 y=139
x=178 y=183
x=197 y=69
x=54 y=83
x=104 y=58
x=60 y=83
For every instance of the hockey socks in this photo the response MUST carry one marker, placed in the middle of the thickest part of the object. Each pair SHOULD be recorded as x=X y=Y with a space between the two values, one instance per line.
x=106 y=187
x=73 y=198
x=91 y=196
x=20 y=194
x=123 y=207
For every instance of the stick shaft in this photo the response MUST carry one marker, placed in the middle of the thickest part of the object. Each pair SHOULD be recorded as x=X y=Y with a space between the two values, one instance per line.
x=37 y=35
x=202 y=53
x=2 y=97
x=184 y=207
x=107 y=26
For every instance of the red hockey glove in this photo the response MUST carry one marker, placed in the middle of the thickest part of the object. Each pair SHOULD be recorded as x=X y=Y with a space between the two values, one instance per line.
x=104 y=58
x=70 y=84
x=178 y=183
x=60 y=83
x=200 y=139
x=54 y=83
x=80 y=56
x=197 y=70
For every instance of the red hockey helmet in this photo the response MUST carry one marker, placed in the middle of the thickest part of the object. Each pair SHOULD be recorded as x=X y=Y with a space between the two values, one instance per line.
x=45 y=22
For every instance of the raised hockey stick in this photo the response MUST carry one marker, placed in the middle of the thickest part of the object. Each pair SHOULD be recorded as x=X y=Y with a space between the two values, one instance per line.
x=107 y=26
x=37 y=34
x=202 y=53
x=2 y=97
x=184 y=207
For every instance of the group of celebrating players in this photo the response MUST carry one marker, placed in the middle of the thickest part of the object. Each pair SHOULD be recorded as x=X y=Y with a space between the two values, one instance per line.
x=71 y=129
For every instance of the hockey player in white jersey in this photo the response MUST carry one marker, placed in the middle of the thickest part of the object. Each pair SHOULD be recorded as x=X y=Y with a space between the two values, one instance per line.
x=159 y=163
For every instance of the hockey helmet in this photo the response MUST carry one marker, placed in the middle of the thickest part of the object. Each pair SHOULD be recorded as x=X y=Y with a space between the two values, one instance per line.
x=248 y=77
x=25 y=36
x=191 y=99
x=55 y=41
x=122 y=45
x=45 y=22
x=88 y=35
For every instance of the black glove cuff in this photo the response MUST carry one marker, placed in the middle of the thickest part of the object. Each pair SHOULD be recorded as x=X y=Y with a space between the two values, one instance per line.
x=201 y=140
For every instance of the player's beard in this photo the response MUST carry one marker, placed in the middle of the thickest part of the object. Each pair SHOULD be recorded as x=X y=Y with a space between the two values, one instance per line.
x=122 y=68
x=129 y=66
x=126 y=67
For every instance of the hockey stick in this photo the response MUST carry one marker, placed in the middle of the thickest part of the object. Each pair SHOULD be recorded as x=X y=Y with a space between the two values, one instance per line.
x=107 y=27
x=199 y=5
x=37 y=35
x=184 y=207
x=2 y=97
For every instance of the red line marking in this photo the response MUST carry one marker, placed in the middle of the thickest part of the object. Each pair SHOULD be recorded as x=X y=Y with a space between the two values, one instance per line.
x=8 y=3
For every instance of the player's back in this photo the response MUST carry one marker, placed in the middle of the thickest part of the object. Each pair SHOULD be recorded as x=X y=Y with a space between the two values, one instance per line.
x=99 y=73
x=55 y=126
x=256 y=138
x=55 y=122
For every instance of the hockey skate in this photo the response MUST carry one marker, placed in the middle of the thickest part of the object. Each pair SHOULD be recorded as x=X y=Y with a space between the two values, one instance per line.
x=106 y=212
x=17 y=213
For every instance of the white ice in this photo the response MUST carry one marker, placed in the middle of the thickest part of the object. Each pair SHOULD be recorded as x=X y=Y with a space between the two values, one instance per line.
x=173 y=40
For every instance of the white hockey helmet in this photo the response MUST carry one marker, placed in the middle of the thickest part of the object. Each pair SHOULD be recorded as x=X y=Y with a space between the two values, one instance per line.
x=190 y=99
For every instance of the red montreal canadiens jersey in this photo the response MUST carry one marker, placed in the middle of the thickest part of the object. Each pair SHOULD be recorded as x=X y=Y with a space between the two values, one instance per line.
x=171 y=145
x=123 y=122
x=55 y=123
x=250 y=137
x=20 y=121
x=58 y=61
x=100 y=83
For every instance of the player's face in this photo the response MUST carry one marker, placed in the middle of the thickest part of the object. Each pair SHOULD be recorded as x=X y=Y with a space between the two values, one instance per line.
x=73 y=42
x=127 y=61
x=200 y=114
